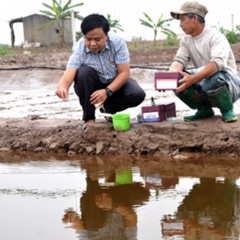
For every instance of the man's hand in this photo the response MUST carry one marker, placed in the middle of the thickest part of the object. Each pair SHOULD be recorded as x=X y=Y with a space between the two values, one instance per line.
x=185 y=82
x=62 y=93
x=98 y=97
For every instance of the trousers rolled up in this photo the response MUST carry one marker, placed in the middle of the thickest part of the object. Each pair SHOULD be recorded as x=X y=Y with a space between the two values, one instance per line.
x=87 y=82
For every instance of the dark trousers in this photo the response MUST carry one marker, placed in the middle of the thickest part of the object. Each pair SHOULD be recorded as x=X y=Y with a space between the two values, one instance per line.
x=87 y=81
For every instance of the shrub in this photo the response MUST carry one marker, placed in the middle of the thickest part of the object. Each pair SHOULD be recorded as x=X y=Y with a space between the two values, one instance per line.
x=171 y=40
x=233 y=36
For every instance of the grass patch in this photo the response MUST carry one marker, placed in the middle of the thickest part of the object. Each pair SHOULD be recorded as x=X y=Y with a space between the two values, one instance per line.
x=160 y=44
x=5 y=50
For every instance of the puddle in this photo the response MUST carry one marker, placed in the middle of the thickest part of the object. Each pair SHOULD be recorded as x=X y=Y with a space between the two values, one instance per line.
x=116 y=197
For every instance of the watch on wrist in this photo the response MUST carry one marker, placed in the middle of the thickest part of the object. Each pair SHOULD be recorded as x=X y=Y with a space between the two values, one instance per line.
x=109 y=92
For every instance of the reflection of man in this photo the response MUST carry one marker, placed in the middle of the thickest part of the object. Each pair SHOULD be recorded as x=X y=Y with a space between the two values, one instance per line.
x=210 y=204
x=107 y=212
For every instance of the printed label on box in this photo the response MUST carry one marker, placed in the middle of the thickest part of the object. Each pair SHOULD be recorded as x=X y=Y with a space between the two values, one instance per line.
x=151 y=117
x=166 y=83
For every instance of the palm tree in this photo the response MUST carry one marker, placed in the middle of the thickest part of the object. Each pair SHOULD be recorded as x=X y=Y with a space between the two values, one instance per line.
x=114 y=24
x=59 y=13
x=160 y=24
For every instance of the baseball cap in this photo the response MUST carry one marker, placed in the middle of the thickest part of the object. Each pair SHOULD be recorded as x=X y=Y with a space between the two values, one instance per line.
x=190 y=7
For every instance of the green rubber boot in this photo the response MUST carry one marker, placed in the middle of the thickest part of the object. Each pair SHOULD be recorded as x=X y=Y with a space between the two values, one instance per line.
x=223 y=101
x=202 y=113
x=196 y=100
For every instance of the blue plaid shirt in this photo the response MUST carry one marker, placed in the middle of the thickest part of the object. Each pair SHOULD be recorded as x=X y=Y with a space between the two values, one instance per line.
x=104 y=63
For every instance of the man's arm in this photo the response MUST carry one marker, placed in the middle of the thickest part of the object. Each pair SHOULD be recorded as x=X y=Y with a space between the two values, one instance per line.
x=175 y=67
x=122 y=77
x=189 y=80
x=65 y=83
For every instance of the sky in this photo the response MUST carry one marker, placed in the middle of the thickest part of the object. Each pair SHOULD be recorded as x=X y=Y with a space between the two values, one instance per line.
x=221 y=13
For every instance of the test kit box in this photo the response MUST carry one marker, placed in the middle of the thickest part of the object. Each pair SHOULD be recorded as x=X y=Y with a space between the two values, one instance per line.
x=159 y=112
x=166 y=80
x=170 y=109
x=153 y=113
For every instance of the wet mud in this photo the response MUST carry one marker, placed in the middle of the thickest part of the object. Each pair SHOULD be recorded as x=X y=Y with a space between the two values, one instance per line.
x=175 y=139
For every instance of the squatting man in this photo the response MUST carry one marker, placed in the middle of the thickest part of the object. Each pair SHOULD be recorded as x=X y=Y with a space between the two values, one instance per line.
x=99 y=67
x=214 y=82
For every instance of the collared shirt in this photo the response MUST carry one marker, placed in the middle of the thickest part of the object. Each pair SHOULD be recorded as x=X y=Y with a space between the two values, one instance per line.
x=105 y=62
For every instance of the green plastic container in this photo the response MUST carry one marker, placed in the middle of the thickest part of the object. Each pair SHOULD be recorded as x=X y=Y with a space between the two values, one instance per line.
x=121 y=121
x=123 y=176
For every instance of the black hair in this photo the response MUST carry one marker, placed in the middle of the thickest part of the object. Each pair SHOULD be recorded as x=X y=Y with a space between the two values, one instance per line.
x=200 y=19
x=93 y=21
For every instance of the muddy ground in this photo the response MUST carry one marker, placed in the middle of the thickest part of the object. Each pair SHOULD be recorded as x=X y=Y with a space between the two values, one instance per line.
x=29 y=124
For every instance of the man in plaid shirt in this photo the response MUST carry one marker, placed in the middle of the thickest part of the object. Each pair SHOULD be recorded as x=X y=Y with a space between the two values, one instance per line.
x=100 y=69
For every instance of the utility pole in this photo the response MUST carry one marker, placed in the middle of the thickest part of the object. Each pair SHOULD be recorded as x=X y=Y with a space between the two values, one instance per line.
x=232 y=22
x=73 y=28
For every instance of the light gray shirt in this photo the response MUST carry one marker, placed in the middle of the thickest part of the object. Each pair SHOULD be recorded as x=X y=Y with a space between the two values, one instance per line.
x=209 y=46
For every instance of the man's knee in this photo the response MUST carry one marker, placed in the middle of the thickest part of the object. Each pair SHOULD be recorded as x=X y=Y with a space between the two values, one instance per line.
x=84 y=73
x=141 y=94
x=136 y=90
x=214 y=82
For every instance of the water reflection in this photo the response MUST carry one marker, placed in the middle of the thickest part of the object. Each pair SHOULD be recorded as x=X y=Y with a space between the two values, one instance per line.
x=130 y=198
x=108 y=210
x=211 y=209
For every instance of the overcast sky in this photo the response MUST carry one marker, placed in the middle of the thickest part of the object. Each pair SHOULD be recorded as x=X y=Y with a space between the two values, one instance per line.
x=223 y=13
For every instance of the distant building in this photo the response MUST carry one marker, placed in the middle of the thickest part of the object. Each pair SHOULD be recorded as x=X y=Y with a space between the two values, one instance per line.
x=46 y=37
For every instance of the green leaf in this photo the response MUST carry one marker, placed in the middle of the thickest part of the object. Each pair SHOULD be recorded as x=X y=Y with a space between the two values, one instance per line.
x=47 y=13
x=67 y=5
x=148 y=18
x=48 y=25
x=145 y=23
x=55 y=9
x=76 y=5
x=47 y=6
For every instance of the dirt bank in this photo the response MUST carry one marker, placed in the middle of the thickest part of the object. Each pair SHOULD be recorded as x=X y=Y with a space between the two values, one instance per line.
x=175 y=139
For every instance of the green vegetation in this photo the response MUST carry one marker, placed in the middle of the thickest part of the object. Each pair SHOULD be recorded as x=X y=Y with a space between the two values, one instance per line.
x=158 y=44
x=5 y=50
x=233 y=36
x=172 y=40
x=114 y=24
x=161 y=23
x=59 y=13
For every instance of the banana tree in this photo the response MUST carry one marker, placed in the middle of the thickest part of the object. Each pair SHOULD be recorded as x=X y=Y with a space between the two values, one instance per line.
x=114 y=24
x=161 y=24
x=59 y=13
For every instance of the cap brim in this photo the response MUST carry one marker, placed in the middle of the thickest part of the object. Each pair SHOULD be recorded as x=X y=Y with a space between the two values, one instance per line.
x=176 y=14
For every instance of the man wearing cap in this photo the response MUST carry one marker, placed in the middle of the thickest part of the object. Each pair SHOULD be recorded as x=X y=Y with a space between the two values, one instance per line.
x=214 y=82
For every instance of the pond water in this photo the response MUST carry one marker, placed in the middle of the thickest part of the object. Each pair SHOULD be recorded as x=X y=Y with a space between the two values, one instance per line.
x=117 y=197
